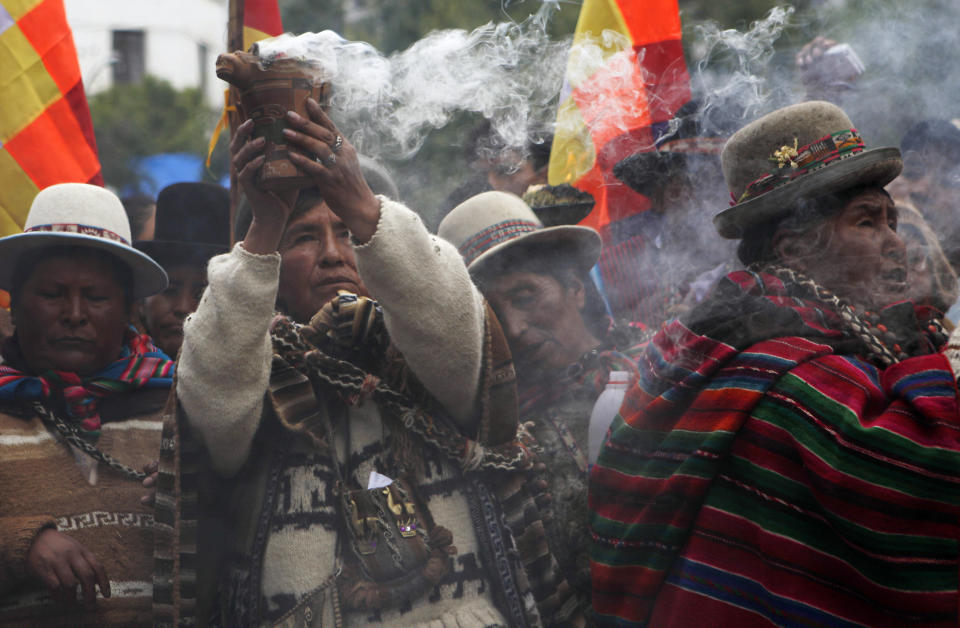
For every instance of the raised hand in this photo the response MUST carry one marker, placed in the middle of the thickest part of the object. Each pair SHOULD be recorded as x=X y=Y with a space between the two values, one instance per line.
x=270 y=209
x=335 y=169
x=62 y=563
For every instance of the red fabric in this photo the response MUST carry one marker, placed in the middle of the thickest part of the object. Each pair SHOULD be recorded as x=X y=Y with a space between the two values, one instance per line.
x=55 y=132
x=263 y=15
x=46 y=28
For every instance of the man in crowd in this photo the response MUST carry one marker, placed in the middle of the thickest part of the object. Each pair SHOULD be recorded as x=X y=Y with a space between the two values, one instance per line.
x=81 y=400
x=658 y=271
x=353 y=490
x=790 y=454
x=931 y=179
x=537 y=281
x=192 y=225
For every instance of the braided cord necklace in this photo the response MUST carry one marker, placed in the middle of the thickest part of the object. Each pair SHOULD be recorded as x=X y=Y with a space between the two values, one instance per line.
x=870 y=335
x=72 y=435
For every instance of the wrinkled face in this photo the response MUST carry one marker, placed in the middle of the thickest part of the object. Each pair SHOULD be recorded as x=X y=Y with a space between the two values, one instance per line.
x=864 y=259
x=163 y=314
x=71 y=315
x=542 y=320
x=316 y=261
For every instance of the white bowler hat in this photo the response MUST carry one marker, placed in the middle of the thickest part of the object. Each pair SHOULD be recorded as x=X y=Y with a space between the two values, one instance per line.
x=487 y=225
x=79 y=214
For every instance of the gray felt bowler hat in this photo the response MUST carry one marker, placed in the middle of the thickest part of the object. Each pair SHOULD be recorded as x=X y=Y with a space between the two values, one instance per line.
x=486 y=226
x=83 y=215
x=801 y=151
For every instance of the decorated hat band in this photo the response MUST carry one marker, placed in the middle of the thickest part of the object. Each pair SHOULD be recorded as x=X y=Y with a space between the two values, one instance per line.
x=493 y=235
x=793 y=162
x=86 y=230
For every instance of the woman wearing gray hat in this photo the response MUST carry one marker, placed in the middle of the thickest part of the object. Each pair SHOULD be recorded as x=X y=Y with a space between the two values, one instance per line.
x=80 y=401
x=790 y=454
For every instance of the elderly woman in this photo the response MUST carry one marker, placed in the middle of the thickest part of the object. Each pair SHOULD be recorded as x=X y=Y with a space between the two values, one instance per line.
x=80 y=398
x=790 y=454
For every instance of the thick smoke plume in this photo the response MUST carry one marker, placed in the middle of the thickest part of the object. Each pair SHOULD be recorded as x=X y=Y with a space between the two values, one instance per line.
x=509 y=73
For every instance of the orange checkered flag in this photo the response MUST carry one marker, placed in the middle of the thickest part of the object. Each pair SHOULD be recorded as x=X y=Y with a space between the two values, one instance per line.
x=46 y=135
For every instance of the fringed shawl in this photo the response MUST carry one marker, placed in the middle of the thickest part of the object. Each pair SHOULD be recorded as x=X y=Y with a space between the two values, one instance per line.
x=760 y=472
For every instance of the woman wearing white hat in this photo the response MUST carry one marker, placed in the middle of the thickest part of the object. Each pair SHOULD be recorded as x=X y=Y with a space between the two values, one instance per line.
x=80 y=401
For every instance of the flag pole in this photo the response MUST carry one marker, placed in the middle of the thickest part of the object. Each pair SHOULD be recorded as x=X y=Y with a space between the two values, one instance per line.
x=234 y=43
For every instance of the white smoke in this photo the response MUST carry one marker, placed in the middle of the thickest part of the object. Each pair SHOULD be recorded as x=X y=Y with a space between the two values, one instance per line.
x=509 y=73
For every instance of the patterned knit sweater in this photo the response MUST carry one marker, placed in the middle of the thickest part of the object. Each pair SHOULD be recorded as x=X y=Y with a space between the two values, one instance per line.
x=559 y=415
x=224 y=372
x=42 y=486
x=763 y=473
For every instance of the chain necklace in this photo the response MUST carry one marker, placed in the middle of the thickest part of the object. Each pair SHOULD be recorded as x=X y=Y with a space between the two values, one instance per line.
x=72 y=435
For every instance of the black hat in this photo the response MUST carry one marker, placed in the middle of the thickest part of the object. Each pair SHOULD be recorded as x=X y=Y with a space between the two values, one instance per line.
x=692 y=134
x=192 y=224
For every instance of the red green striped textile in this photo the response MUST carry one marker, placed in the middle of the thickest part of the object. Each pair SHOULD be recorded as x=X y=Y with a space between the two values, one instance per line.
x=779 y=483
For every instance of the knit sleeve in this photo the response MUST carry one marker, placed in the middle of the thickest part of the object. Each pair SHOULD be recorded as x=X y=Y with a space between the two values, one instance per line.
x=225 y=361
x=432 y=310
x=16 y=537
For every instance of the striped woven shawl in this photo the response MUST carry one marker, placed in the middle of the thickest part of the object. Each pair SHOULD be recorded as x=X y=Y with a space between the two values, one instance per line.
x=762 y=473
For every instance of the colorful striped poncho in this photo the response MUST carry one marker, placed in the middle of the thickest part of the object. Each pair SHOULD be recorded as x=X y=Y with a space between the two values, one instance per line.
x=762 y=473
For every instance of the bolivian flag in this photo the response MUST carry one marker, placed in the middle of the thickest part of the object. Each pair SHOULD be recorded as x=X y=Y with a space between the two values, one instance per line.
x=614 y=101
x=261 y=19
x=46 y=135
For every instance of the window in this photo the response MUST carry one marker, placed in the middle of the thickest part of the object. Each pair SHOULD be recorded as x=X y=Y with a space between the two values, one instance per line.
x=129 y=54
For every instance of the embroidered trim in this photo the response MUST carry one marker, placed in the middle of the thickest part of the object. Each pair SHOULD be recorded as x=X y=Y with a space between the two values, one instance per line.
x=803 y=161
x=79 y=229
x=100 y=518
x=493 y=235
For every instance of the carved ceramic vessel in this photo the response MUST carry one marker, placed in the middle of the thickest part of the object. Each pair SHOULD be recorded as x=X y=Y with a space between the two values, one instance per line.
x=267 y=91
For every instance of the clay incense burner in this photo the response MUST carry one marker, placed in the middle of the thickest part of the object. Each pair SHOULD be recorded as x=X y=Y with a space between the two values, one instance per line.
x=268 y=89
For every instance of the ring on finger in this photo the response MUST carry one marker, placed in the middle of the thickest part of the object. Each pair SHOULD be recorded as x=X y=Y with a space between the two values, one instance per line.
x=331 y=160
x=337 y=144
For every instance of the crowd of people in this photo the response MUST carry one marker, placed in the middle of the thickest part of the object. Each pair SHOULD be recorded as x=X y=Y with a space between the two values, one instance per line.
x=345 y=419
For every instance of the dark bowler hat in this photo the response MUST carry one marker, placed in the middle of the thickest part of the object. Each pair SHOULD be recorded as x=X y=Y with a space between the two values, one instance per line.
x=192 y=224
x=680 y=144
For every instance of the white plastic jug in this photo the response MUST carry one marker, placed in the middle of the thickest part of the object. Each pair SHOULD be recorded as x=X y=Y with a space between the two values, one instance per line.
x=604 y=410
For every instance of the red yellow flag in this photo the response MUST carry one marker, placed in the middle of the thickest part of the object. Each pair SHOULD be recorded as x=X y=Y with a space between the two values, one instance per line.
x=626 y=76
x=261 y=19
x=46 y=135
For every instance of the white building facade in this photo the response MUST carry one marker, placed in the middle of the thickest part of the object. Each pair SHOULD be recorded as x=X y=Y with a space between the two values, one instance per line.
x=120 y=41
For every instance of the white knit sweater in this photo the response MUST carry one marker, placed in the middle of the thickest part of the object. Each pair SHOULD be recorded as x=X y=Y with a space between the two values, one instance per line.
x=431 y=308
x=435 y=317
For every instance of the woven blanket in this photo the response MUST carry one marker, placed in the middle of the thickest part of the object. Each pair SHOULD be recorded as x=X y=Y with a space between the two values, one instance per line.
x=762 y=473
